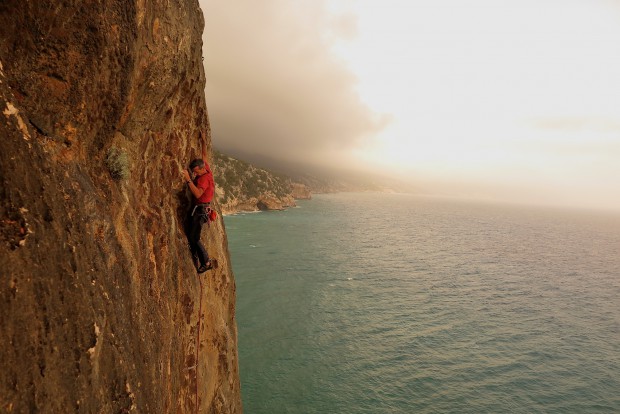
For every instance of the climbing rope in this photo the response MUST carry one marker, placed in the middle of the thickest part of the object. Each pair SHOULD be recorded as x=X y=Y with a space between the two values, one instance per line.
x=198 y=341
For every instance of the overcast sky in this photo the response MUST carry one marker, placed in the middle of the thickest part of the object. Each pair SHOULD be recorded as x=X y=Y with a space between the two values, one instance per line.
x=274 y=86
x=515 y=100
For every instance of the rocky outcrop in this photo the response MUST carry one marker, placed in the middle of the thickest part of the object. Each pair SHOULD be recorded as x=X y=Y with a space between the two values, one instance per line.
x=267 y=202
x=242 y=186
x=300 y=191
x=101 y=310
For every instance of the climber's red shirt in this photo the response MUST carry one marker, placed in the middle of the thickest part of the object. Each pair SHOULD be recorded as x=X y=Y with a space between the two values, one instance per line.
x=205 y=181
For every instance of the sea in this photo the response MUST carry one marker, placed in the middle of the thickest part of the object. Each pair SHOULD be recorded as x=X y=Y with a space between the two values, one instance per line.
x=393 y=303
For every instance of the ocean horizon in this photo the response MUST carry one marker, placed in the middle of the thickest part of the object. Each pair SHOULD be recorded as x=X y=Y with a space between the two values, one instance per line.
x=394 y=303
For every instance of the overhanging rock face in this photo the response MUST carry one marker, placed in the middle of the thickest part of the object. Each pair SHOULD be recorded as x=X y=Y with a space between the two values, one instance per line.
x=101 y=311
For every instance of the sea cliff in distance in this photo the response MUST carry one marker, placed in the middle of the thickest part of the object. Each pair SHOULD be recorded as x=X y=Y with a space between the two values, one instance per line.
x=241 y=186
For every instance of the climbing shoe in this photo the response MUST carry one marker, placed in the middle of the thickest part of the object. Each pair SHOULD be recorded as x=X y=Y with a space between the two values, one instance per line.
x=211 y=264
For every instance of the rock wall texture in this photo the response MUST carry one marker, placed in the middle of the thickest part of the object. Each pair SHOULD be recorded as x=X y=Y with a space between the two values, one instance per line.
x=101 y=311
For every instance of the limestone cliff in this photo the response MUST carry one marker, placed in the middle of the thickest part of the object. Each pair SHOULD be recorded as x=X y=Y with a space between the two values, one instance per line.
x=242 y=186
x=102 y=104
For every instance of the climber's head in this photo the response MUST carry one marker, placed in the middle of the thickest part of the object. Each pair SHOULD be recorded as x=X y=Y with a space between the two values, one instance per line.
x=197 y=166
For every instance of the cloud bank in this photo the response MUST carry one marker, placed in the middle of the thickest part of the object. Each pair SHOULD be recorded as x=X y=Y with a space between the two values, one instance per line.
x=274 y=87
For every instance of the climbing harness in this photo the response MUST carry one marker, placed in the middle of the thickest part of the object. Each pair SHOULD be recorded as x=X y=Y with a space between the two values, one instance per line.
x=207 y=214
x=203 y=208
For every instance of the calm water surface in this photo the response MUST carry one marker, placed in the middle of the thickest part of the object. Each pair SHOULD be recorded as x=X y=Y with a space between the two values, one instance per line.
x=377 y=303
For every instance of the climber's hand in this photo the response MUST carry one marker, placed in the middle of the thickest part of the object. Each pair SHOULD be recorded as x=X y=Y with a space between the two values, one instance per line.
x=185 y=175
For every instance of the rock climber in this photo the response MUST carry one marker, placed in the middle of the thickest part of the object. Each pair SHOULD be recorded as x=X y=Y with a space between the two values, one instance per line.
x=202 y=188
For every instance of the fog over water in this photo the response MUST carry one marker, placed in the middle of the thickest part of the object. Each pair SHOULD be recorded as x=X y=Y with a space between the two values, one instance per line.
x=515 y=102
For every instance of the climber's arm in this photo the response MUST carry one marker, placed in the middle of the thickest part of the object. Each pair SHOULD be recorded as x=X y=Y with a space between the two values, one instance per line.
x=196 y=191
x=203 y=140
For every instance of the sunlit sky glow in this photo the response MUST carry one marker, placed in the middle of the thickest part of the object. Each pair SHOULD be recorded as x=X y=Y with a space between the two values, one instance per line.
x=515 y=100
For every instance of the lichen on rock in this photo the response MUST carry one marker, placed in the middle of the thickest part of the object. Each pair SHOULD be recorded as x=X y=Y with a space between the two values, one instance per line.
x=117 y=162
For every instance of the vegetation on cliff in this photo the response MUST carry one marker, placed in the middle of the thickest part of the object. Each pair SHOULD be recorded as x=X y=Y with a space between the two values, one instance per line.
x=241 y=186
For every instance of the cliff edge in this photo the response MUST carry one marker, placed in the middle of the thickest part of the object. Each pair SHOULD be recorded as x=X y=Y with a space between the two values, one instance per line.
x=102 y=103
